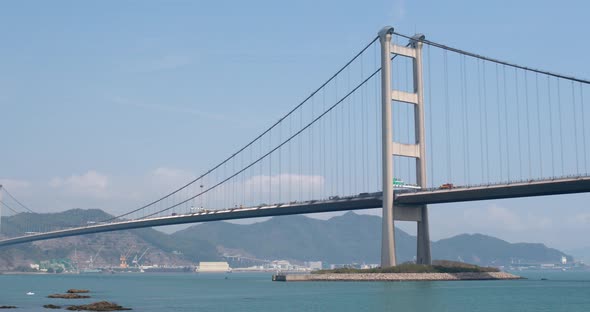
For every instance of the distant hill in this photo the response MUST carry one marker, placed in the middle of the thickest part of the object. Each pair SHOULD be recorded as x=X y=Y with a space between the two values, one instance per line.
x=344 y=239
x=483 y=249
x=355 y=238
x=162 y=247
x=35 y=222
x=582 y=254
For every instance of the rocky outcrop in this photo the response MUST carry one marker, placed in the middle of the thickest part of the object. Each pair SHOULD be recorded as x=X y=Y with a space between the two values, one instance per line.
x=78 y=291
x=68 y=296
x=98 y=306
x=51 y=306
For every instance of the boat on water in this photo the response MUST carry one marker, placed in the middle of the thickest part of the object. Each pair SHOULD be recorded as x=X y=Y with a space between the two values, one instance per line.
x=30 y=293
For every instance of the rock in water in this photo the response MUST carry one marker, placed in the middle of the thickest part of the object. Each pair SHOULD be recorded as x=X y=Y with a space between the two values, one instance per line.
x=77 y=291
x=98 y=306
x=51 y=306
x=68 y=296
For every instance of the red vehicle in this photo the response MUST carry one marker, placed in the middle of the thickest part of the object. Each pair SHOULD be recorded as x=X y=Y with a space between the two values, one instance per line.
x=446 y=186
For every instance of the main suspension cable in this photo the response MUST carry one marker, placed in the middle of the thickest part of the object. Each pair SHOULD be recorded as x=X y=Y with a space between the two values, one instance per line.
x=252 y=141
x=16 y=200
x=9 y=208
x=272 y=150
x=485 y=58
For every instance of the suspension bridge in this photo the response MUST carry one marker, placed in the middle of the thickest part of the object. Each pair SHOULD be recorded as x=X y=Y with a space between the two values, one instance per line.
x=404 y=108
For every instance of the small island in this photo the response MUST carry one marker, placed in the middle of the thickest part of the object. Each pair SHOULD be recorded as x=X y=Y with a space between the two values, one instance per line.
x=51 y=306
x=78 y=291
x=68 y=296
x=438 y=271
x=75 y=294
x=98 y=306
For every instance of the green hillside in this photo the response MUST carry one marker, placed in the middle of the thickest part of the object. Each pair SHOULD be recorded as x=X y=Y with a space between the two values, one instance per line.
x=478 y=248
x=35 y=222
x=344 y=239
x=355 y=238
x=162 y=248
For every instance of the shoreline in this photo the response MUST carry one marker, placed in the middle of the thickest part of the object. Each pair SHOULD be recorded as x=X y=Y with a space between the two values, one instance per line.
x=394 y=277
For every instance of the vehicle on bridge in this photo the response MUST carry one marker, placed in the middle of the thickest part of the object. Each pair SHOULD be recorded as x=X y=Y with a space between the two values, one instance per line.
x=447 y=186
x=195 y=210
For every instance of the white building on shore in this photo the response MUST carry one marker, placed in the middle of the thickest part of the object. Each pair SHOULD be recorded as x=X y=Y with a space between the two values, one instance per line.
x=213 y=267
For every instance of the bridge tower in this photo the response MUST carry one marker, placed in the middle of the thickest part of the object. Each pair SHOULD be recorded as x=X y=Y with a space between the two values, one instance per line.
x=391 y=149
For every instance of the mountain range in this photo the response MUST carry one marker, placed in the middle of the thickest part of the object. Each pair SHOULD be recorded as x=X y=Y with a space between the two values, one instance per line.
x=356 y=238
x=349 y=238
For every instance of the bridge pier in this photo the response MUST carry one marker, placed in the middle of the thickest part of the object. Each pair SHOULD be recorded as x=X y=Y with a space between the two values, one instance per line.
x=423 y=238
x=418 y=214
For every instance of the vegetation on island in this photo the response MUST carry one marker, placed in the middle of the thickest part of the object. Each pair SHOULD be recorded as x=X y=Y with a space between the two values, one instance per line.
x=51 y=306
x=436 y=267
x=349 y=238
x=98 y=306
x=77 y=291
x=68 y=296
x=74 y=293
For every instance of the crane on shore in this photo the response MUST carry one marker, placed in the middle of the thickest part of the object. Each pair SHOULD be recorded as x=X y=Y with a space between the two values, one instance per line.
x=136 y=259
x=93 y=258
x=124 y=257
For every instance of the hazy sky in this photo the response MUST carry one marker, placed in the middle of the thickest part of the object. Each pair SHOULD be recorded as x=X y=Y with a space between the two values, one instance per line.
x=109 y=104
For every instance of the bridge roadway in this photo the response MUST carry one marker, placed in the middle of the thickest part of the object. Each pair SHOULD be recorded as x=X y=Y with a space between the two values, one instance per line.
x=361 y=201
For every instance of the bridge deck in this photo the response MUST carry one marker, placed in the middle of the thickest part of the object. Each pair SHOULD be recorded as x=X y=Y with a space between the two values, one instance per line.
x=499 y=191
x=366 y=201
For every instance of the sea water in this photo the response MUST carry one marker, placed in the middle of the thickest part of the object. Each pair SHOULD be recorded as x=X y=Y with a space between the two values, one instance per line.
x=561 y=291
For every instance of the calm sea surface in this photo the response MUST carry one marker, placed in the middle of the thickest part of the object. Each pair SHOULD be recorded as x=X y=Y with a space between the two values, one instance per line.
x=563 y=291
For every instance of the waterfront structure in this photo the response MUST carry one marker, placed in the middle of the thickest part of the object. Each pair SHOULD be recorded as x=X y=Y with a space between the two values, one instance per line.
x=314 y=265
x=213 y=267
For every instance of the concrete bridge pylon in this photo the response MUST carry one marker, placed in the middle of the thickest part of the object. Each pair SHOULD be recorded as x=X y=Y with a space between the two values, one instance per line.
x=391 y=148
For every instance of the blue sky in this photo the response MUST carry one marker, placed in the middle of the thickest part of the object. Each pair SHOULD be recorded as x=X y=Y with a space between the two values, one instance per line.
x=109 y=104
